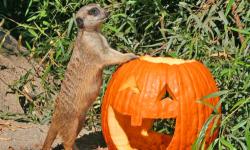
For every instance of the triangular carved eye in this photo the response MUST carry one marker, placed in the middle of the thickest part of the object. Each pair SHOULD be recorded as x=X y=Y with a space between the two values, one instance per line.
x=94 y=11
x=131 y=84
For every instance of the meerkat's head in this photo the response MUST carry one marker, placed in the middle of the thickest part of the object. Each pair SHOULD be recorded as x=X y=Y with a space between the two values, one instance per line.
x=90 y=17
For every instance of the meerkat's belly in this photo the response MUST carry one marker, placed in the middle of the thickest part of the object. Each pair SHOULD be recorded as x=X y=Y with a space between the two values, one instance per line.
x=88 y=92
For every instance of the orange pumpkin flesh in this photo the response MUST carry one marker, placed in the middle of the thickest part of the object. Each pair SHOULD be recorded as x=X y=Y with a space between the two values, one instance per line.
x=133 y=101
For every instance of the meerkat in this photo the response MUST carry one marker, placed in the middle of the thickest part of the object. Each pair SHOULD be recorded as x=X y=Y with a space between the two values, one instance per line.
x=83 y=76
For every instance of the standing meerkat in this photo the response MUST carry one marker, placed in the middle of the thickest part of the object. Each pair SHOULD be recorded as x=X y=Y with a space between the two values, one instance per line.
x=83 y=77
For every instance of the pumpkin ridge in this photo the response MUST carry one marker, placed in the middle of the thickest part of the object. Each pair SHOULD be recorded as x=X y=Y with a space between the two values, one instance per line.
x=124 y=74
x=108 y=101
x=209 y=82
x=175 y=144
x=136 y=119
x=186 y=113
x=204 y=79
x=198 y=87
x=104 y=118
x=212 y=86
x=152 y=84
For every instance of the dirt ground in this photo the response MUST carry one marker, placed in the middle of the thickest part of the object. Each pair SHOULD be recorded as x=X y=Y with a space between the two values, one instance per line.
x=28 y=136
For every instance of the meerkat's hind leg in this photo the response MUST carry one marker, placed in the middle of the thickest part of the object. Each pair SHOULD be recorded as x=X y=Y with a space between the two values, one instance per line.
x=52 y=133
x=79 y=128
x=75 y=147
x=80 y=123
x=69 y=134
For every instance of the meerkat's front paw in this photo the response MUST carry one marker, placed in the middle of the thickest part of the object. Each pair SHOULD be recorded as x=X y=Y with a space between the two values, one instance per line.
x=131 y=56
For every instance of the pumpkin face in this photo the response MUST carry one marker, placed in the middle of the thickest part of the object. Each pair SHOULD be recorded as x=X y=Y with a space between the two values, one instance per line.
x=135 y=98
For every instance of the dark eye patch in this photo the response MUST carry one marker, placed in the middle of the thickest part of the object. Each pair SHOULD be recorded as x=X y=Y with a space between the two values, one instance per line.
x=94 y=11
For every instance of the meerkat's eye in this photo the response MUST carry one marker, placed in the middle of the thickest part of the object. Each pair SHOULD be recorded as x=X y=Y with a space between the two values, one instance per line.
x=94 y=11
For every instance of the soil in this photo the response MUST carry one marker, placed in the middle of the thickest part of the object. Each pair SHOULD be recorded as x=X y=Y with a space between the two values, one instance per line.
x=12 y=67
x=28 y=136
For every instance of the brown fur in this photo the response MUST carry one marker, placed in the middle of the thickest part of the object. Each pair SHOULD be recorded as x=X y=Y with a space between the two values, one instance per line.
x=83 y=77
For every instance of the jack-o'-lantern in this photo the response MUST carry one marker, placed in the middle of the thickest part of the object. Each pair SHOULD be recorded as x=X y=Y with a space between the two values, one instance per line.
x=134 y=99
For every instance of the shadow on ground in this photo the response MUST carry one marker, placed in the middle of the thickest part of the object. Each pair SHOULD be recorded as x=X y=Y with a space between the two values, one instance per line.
x=89 y=141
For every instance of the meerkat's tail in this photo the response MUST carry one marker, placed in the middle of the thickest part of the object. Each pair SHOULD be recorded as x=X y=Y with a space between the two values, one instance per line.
x=52 y=133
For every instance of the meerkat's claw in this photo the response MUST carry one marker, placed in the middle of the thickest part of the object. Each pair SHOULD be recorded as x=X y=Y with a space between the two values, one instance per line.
x=132 y=56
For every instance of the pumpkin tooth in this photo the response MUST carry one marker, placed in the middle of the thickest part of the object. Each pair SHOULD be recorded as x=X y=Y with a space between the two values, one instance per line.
x=144 y=132
x=117 y=133
x=136 y=120
x=166 y=108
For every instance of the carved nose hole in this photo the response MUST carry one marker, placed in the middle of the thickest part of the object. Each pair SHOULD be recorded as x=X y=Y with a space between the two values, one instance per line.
x=166 y=126
x=166 y=95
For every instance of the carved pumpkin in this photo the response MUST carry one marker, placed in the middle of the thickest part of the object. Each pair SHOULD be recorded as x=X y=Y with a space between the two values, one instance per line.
x=133 y=100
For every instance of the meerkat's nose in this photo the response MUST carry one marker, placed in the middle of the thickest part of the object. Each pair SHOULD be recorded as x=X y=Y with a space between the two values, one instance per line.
x=79 y=22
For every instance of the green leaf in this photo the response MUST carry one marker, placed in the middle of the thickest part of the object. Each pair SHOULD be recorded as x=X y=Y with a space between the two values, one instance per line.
x=229 y=6
x=211 y=146
x=71 y=22
x=32 y=32
x=239 y=125
x=41 y=30
x=240 y=102
x=215 y=94
x=27 y=10
x=201 y=136
x=247 y=134
x=227 y=144
x=32 y=18
x=223 y=17
x=46 y=23
x=243 y=31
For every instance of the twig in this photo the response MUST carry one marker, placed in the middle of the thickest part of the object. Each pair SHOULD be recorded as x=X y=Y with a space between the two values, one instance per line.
x=207 y=4
x=37 y=68
x=26 y=95
x=238 y=22
x=164 y=45
x=4 y=139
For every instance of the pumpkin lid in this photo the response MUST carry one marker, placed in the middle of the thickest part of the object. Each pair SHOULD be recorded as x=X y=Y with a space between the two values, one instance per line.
x=165 y=60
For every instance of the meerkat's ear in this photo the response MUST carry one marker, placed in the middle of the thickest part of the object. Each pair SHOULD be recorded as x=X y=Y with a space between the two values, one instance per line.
x=80 y=22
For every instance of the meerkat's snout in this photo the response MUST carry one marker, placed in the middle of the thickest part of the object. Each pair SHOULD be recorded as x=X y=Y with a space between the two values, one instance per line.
x=79 y=23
